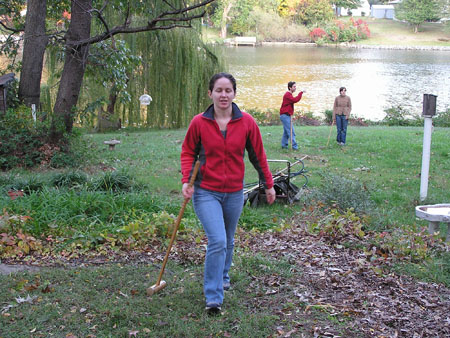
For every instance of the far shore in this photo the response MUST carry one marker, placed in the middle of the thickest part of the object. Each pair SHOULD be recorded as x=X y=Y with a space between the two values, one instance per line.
x=358 y=46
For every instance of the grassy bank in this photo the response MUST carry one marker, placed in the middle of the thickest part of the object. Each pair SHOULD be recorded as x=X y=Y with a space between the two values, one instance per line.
x=390 y=32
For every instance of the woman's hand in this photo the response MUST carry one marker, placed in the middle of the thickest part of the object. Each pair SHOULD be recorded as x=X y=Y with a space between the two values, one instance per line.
x=270 y=195
x=187 y=191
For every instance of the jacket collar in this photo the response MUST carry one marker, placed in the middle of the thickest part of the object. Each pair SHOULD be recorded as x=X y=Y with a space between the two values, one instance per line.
x=236 y=112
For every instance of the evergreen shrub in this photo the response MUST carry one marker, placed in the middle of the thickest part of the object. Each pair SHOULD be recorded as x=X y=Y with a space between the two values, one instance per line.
x=442 y=119
x=399 y=116
x=26 y=143
x=21 y=139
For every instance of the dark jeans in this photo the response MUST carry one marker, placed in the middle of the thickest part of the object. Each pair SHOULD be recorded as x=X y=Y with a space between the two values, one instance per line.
x=341 y=124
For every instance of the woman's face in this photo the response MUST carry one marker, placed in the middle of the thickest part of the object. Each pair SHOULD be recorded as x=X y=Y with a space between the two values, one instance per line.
x=343 y=92
x=222 y=94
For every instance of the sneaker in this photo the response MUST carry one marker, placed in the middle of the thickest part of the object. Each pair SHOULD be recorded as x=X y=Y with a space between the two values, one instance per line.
x=213 y=308
x=226 y=286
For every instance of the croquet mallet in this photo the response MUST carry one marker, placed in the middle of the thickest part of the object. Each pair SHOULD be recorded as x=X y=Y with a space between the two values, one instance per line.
x=160 y=284
x=329 y=135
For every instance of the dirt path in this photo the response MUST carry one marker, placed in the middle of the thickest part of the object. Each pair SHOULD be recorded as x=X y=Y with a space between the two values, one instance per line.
x=6 y=269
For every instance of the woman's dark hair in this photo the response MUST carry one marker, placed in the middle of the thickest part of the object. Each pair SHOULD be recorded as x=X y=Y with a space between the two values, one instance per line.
x=290 y=84
x=341 y=89
x=218 y=76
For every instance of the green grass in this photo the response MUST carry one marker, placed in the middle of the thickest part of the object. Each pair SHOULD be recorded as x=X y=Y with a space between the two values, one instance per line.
x=110 y=301
x=387 y=160
x=390 y=32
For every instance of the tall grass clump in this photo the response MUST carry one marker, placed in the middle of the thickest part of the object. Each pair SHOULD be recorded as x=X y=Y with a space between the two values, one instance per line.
x=64 y=212
x=345 y=193
x=27 y=184
x=69 y=179
x=113 y=181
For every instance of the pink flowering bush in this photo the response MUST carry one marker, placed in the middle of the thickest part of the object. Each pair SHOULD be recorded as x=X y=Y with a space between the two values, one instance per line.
x=317 y=33
x=338 y=31
x=362 y=28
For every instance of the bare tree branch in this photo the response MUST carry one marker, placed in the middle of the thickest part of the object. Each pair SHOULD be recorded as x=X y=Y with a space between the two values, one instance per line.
x=14 y=30
x=100 y=17
x=127 y=21
x=168 y=16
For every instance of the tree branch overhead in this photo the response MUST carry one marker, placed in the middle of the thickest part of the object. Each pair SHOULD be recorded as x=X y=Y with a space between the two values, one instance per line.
x=169 y=19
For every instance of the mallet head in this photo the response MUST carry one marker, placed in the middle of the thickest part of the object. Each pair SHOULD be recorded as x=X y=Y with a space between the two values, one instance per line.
x=155 y=288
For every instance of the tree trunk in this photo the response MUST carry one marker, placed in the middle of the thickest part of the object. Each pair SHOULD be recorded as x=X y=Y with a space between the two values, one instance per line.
x=74 y=67
x=112 y=101
x=35 y=42
x=226 y=10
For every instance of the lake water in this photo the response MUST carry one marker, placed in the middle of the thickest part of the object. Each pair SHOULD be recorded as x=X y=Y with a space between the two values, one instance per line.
x=375 y=79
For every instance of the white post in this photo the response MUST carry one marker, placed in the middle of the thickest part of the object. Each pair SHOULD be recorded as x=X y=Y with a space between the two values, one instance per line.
x=33 y=111
x=425 y=157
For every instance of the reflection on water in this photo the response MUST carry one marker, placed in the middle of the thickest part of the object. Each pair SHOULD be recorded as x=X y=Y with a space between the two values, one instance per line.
x=376 y=79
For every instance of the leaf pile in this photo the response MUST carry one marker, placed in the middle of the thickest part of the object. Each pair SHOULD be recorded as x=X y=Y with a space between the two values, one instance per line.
x=347 y=284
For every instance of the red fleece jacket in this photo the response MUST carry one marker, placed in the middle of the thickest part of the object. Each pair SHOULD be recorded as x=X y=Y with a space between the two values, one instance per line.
x=287 y=107
x=222 y=159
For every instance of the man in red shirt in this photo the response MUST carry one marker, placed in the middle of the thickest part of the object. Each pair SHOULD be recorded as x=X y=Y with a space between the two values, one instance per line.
x=286 y=112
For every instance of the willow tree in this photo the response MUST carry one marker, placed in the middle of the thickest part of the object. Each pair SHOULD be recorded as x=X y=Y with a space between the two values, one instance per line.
x=160 y=15
x=176 y=67
x=173 y=66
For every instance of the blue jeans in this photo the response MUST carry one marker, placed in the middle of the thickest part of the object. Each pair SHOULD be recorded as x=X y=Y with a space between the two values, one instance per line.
x=286 y=120
x=341 y=124
x=219 y=214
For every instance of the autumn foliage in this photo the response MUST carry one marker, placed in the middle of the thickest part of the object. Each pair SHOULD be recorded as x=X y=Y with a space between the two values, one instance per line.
x=338 y=31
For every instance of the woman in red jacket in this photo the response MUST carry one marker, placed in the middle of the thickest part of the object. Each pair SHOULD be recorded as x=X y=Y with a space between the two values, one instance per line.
x=219 y=137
